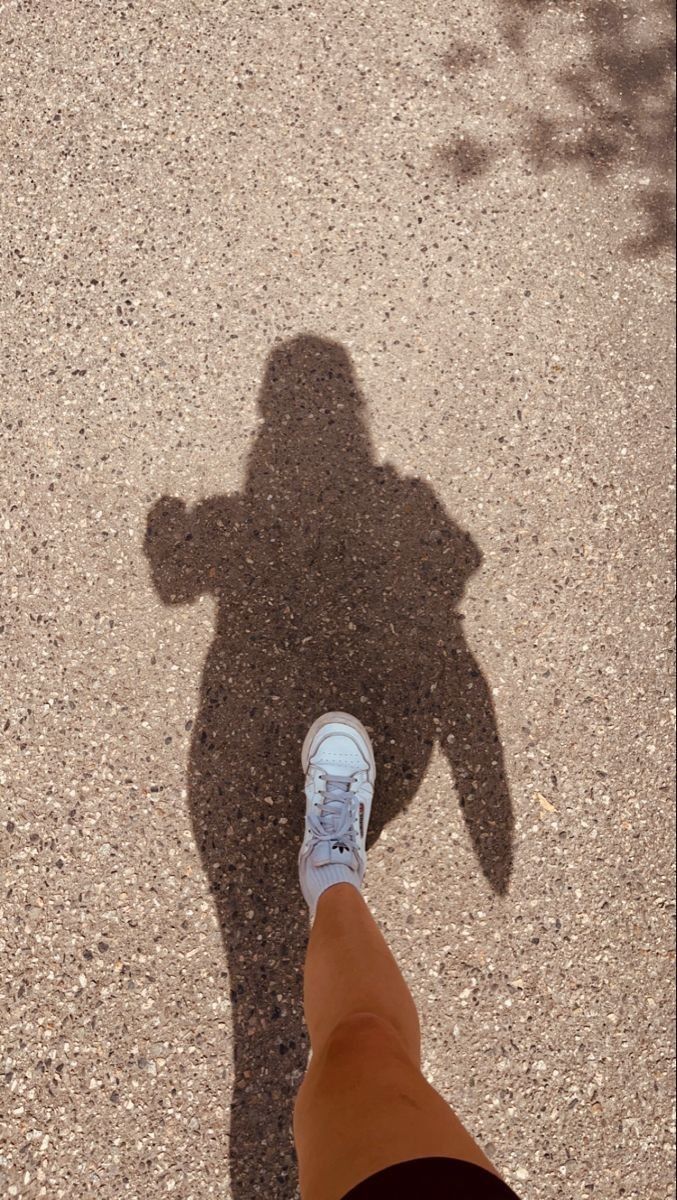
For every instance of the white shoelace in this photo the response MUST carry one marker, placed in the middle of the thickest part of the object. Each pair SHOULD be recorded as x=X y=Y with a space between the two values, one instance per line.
x=333 y=823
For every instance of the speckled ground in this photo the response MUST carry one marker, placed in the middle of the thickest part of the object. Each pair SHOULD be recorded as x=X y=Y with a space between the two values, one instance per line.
x=337 y=371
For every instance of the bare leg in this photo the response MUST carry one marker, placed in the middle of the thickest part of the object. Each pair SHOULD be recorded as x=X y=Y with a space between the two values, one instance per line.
x=364 y=1104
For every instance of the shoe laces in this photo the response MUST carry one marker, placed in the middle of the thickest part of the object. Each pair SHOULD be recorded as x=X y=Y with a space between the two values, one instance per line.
x=332 y=821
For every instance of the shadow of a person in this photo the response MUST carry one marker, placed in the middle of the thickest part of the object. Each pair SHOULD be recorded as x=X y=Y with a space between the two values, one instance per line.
x=337 y=583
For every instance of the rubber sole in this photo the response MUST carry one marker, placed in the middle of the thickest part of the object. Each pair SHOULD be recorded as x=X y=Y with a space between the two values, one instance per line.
x=328 y=719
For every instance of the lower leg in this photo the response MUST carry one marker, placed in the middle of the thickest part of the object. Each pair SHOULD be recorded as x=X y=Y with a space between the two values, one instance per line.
x=364 y=1104
x=349 y=969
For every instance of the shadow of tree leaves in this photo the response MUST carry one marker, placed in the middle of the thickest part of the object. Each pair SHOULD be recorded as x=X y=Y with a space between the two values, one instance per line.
x=468 y=158
x=619 y=102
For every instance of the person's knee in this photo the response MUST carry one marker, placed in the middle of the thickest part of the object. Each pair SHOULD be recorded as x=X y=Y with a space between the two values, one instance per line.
x=362 y=1045
x=363 y=1035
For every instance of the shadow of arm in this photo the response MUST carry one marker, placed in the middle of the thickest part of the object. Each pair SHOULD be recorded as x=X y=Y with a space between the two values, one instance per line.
x=472 y=746
x=180 y=545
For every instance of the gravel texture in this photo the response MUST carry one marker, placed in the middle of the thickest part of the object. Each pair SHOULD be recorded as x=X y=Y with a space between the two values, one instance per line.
x=338 y=374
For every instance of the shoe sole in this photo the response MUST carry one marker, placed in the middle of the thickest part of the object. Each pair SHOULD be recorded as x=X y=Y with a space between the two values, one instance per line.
x=343 y=719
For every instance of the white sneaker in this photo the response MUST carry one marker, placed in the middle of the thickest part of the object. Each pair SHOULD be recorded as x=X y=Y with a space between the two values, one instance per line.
x=338 y=760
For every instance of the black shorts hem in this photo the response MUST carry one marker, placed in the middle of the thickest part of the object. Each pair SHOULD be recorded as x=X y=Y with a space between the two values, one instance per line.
x=432 y=1179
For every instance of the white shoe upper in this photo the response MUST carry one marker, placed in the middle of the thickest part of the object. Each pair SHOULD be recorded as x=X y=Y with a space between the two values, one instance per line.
x=340 y=772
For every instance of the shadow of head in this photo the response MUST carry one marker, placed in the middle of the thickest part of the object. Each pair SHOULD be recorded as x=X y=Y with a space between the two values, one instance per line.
x=313 y=438
x=305 y=375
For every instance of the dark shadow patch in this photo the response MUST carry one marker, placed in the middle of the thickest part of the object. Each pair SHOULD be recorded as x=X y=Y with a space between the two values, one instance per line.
x=462 y=56
x=548 y=144
x=468 y=158
x=658 y=206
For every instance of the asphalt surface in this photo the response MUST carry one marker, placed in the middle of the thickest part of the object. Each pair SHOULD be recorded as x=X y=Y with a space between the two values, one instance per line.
x=337 y=359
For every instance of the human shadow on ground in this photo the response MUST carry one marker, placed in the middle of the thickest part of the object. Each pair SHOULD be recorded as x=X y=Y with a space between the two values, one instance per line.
x=337 y=583
x=615 y=99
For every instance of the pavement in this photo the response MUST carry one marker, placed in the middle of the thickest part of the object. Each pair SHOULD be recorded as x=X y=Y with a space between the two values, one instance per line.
x=337 y=360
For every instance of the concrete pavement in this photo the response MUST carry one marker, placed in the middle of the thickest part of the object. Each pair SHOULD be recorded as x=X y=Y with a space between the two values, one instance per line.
x=395 y=276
